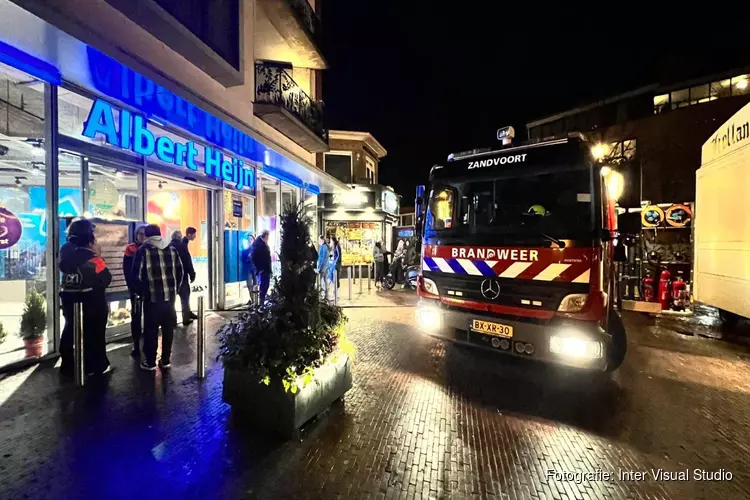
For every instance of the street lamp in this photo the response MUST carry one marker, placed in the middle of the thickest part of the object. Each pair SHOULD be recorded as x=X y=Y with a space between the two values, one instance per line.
x=599 y=151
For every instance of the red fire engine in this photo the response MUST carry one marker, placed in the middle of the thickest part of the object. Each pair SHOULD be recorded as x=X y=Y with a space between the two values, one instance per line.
x=517 y=254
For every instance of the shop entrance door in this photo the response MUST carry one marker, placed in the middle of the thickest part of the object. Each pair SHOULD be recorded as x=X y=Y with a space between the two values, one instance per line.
x=176 y=206
x=239 y=234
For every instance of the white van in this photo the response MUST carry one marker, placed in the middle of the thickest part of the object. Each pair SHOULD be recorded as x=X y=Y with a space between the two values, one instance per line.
x=722 y=221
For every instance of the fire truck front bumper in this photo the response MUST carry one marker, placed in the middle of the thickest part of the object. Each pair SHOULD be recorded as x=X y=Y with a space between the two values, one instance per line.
x=578 y=344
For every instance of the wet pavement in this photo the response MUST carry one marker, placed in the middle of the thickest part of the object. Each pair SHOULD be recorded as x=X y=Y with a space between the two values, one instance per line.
x=425 y=419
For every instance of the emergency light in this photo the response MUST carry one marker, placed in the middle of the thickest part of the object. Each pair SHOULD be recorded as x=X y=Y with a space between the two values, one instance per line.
x=506 y=134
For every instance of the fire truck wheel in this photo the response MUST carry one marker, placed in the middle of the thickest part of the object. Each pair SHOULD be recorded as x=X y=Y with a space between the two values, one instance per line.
x=619 y=345
x=728 y=320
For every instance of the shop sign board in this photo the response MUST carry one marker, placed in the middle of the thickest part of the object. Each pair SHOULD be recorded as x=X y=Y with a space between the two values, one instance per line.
x=132 y=133
x=350 y=199
x=390 y=202
x=10 y=229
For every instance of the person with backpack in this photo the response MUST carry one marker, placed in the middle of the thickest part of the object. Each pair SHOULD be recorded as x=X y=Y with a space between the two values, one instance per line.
x=85 y=279
x=262 y=262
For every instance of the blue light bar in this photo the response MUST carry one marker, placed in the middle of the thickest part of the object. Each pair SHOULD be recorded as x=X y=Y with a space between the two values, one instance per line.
x=29 y=64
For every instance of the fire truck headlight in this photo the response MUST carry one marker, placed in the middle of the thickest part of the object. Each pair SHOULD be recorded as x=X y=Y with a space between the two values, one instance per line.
x=575 y=347
x=573 y=303
x=429 y=286
x=428 y=318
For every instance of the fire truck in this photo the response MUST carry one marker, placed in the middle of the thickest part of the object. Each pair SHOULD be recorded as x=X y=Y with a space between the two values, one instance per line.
x=517 y=253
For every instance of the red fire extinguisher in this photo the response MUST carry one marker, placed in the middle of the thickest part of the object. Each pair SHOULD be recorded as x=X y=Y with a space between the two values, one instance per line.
x=664 y=292
x=679 y=294
x=647 y=284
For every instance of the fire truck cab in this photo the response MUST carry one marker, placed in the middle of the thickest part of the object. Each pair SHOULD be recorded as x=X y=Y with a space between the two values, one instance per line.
x=517 y=253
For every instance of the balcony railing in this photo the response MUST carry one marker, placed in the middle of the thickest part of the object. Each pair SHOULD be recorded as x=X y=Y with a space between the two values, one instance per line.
x=273 y=85
x=307 y=16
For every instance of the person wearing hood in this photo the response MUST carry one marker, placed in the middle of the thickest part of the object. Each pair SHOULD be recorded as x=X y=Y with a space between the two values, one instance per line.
x=136 y=306
x=159 y=274
x=85 y=279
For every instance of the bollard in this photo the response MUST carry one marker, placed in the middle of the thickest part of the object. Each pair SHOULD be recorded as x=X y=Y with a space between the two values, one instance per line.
x=200 y=354
x=78 y=344
x=349 y=269
x=369 y=279
x=335 y=288
x=360 y=279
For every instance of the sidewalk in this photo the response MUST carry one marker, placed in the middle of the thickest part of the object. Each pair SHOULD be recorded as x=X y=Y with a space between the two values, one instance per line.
x=372 y=297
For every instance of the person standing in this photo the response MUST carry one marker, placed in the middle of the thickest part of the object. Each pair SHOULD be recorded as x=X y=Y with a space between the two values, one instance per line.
x=378 y=262
x=136 y=305
x=247 y=259
x=85 y=280
x=181 y=245
x=324 y=263
x=261 y=258
x=338 y=256
x=160 y=274
x=333 y=270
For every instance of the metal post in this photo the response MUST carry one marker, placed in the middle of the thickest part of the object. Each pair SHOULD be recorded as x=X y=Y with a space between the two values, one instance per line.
x=201 y=351
x=349 y=269
x=78 y=344
x=335 y=288
x=360 y=279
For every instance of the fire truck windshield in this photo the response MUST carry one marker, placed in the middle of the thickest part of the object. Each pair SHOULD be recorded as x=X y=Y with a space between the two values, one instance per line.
x=558 y=204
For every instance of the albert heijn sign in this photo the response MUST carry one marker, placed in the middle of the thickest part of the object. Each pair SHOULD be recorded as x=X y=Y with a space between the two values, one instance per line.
x=131 y=132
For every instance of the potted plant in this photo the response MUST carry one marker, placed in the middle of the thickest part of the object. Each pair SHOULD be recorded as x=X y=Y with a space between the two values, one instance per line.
x=3 y=333
x=287 y=360
x=33 y=324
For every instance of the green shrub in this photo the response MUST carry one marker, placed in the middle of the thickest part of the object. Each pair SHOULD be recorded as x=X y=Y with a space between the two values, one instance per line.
x=3 y=333
x=34 y=317
x=295 y=331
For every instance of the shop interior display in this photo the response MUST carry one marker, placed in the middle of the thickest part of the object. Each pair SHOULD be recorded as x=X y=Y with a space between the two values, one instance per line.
x=357 y=240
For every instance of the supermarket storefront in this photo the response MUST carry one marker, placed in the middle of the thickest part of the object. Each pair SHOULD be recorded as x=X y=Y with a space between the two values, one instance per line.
x=95 y=138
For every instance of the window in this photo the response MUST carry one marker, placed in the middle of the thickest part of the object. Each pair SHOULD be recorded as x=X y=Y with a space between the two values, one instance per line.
x=440 y=211
x=215 y=23
x=699 y=94
x=680 y=98
x=721 y=89
x=339 y=166
x=661 y=103
x=370 y=166
x=23 y=212
x=741 y=85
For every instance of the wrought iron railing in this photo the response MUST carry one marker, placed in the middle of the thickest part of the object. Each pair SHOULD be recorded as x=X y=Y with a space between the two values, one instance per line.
x=273 y=85
x=307 y=16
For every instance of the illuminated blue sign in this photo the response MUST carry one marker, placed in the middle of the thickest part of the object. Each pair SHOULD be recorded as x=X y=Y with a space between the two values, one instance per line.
x=132 y=133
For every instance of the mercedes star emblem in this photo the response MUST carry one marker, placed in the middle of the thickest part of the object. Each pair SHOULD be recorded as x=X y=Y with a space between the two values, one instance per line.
x=490 y=289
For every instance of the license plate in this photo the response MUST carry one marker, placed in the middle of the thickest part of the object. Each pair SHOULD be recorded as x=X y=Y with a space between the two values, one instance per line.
x=489 y=328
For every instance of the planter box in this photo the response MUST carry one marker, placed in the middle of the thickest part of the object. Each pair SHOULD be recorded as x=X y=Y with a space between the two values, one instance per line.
x=268 y=407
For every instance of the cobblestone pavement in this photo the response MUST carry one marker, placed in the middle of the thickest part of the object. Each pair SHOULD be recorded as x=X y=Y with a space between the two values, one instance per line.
x=425 y=419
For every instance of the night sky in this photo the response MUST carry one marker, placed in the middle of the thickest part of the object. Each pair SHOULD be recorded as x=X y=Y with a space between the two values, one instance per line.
x=427 y=80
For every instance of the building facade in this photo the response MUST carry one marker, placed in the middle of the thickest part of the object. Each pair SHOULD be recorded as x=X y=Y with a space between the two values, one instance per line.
x=370 y=211
x=196 y=114
x=655 y=132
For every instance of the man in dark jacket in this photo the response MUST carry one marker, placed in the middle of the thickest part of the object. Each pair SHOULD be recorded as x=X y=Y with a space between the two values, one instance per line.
x=85 y=279
x=159 y=274
x=261 y=258
x=136 y=307
x=181 y=245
